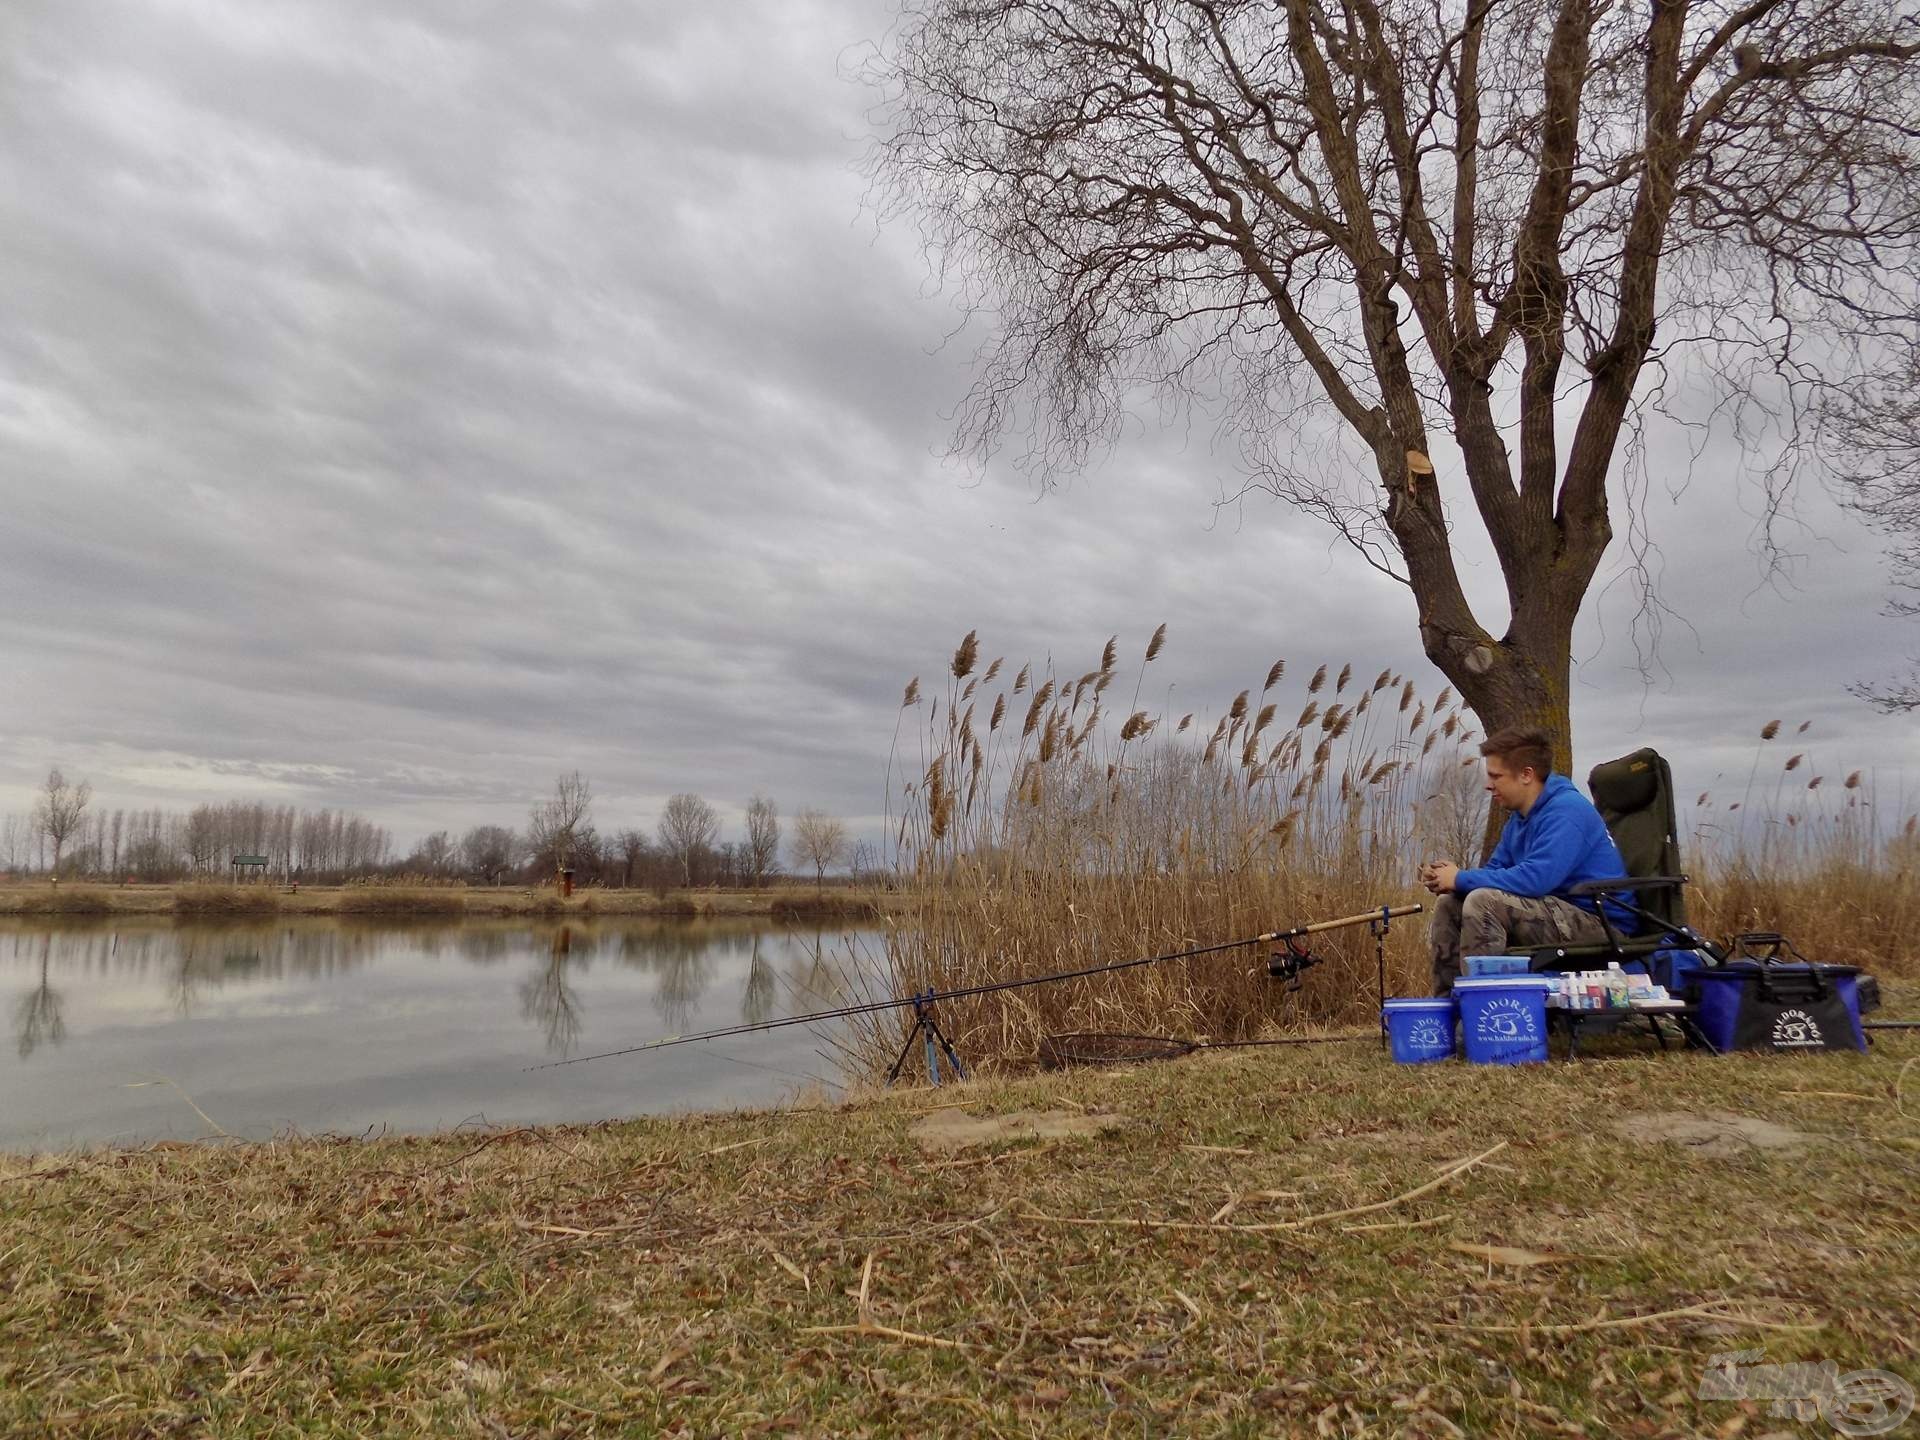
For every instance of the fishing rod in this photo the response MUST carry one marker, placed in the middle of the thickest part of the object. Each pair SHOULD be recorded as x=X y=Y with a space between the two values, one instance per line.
x=1296 y=958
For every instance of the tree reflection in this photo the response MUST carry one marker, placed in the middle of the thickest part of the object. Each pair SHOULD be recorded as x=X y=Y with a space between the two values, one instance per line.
x=756 y=1004
x=683 y=976
x=547 y=999
x=37 y=1017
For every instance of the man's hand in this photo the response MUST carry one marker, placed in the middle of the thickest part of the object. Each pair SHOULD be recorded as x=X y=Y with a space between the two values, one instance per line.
x=1438 y=875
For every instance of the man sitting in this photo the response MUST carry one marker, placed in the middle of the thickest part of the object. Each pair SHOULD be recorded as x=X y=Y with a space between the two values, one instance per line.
x=1553 y=839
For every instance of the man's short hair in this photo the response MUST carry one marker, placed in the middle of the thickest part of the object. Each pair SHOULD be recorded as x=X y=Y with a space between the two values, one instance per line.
x=1521 y=747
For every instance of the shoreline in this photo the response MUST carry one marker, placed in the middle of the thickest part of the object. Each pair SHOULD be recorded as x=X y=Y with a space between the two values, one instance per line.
x=42 y=901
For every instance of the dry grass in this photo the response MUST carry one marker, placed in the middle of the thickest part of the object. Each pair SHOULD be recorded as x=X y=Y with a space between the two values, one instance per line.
x=822 y=906
x=1047 y=828
x=384 y=903
x=815 y=1272
x=64 y=900
x=213 y=902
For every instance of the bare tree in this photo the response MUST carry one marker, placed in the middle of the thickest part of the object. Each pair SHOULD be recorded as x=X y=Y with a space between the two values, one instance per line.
x=487 y=851
x=1883 y=481
x=559 y=827
x=688 y=828
x=763 y=839
x=434 y=855
x=1503 y=222
x=15 y=831
x=634 y=850
x=820 y=841
x=60 y=810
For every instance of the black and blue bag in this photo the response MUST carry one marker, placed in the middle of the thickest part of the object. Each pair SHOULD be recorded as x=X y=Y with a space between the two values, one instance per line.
x=1677 y=968
x=1760 y=999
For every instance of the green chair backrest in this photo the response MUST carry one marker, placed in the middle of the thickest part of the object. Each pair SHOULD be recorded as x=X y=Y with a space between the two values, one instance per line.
x=1634 y=795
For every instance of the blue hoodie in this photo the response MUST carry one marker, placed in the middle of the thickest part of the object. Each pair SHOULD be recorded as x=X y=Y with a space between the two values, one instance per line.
x=1557 y=844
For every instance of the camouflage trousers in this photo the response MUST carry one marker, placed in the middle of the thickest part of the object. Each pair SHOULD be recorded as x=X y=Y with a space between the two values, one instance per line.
x=1487 y=922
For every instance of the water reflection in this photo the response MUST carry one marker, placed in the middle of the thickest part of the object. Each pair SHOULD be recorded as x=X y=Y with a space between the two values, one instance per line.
x=547 y=1000
x=317 y=1025
x=37 y=1017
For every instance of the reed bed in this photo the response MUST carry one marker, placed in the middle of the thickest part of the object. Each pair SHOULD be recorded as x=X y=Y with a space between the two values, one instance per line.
x=823 y=907
x=384 y=903
x=1811 y=849
x=211 y=902
x=67 y=900
x=1045 y=827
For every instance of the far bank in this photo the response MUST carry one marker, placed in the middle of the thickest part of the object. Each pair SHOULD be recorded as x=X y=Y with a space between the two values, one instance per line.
x=794 y=902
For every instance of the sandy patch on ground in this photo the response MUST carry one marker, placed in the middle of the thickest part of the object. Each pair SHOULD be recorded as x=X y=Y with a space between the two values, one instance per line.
x=1716 y=1134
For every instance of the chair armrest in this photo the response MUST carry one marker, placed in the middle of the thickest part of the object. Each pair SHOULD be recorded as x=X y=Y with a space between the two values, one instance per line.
x=1627 y=883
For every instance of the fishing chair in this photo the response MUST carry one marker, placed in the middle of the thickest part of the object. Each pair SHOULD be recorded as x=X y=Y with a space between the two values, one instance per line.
x=1634 y=795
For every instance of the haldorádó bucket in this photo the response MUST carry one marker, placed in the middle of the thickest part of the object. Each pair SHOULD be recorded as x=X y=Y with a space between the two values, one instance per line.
x=1478 y=965
x=1419 y=1030
x=1503 y=1018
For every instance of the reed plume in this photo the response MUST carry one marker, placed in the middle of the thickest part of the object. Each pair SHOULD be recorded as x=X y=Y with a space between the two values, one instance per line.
x=964 y=657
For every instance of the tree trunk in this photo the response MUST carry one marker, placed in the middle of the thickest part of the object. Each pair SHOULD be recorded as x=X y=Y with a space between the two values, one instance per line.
x=1519 y=680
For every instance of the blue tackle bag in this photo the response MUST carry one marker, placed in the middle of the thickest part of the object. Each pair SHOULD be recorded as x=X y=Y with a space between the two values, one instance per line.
x=1762 y=1000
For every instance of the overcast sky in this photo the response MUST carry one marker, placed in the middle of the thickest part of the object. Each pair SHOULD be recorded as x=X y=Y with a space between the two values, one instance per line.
x=401 y=404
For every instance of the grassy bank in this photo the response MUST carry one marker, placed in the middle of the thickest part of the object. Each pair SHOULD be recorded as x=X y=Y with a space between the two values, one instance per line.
x=1264 y=1241
x=212 y=902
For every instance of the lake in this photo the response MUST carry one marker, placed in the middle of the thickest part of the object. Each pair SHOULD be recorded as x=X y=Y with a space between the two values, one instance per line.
x=123 y=1033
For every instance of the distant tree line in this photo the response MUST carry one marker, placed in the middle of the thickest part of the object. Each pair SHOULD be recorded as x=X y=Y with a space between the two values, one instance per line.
x=66 y=835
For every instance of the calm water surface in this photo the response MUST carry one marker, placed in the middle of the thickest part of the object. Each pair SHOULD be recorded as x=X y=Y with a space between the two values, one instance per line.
x=119 y=1032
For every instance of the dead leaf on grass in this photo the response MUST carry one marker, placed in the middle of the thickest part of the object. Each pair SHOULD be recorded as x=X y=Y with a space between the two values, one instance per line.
x=667 y=1361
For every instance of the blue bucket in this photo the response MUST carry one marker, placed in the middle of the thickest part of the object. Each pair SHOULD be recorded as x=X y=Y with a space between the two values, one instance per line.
x=1503 y=1019
x=1479 y=965
x=1420 y=1031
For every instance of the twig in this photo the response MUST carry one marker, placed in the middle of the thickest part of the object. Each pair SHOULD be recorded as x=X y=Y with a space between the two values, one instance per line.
x=1833 y=1094
x=992 y=1159
x=1456 y=1170
x=1415 y=1194
x=1708 y=1311
x=886 y=1332
x=142 y=1084
x=736 y=1145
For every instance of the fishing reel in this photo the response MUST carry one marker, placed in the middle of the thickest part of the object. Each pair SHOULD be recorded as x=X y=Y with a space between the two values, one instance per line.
x=1287 y=964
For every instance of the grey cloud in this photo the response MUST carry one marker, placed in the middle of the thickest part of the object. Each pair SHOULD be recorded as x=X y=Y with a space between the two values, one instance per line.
x=401 y=404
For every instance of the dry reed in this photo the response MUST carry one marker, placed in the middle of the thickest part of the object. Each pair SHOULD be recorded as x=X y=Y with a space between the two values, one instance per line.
x=70 y=900
x=210 y=902
x=1067 y=844
x=1073 y=842
x=411 y=904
